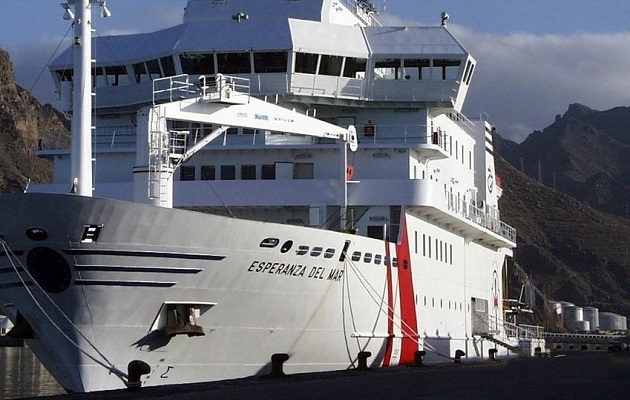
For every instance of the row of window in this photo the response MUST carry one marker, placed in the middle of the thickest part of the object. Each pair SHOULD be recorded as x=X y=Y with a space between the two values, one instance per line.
x=417 y=69
x=272 y=62
x=452 y=305
x=434 y=248
x=248 y=172
x=316 y=251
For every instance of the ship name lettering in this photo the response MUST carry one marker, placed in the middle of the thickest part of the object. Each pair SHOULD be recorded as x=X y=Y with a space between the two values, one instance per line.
x=335 y=275
x=316 y=273
x=268 y=267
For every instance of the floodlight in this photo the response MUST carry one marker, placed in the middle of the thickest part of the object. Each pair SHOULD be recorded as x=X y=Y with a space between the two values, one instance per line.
x=68 y=15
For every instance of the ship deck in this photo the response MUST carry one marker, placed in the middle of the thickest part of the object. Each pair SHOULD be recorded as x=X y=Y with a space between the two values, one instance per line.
x=564 y=375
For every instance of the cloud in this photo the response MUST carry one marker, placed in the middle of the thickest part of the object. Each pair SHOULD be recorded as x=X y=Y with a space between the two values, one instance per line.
x=522 y=81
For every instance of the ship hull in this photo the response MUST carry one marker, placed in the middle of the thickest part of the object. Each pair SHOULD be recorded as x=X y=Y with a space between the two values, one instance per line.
x=97 y=281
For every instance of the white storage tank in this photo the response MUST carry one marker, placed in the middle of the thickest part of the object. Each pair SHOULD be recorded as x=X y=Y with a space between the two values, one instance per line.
x=591 y=314
x=624 y=323
x=583 y=326
x=557 y=307
x=612 y=322
x=571 y=314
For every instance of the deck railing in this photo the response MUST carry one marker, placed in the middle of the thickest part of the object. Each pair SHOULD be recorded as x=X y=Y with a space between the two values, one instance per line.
x=496 y=325
x=479 y=216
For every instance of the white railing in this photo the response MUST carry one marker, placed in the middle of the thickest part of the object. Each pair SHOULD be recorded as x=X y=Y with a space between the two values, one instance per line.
x=479 y=216
x=517 y=331
x=495 y=325
x=114 y=137
x=173 y=88
x=363 y=9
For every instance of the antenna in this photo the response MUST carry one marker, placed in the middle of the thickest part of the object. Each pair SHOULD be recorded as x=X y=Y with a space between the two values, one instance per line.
x=444 y=17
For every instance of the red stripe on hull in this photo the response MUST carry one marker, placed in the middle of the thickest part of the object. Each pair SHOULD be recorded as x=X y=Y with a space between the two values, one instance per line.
x=390 y=310
x=407 y=300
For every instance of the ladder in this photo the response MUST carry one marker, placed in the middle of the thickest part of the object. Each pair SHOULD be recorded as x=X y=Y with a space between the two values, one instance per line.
x=158 y=154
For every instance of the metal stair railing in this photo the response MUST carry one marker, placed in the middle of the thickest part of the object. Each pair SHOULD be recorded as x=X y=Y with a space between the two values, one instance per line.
x=496 y=325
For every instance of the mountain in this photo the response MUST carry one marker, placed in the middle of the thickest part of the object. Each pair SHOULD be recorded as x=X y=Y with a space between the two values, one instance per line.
x=568 y=250
x=24 y=124
x=584 y=153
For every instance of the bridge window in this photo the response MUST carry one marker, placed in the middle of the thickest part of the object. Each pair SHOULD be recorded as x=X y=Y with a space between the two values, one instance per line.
x=388 y=68
x=140 y=72
x=446 y=69
x=276 y=61
x=197 y=64
x=117 y=76
x=153 y=67
x=355 y=68
x=99 y=79
x=306 y=63
x=468 y=73
x=416 y=68
x=168 y=66
x=65 y=75
x=330 y=65
x=233 y=63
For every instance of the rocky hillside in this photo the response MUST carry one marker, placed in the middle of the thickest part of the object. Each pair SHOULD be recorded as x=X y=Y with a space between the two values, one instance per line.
x=567 y=249
x=584 y=153
x=24 y=124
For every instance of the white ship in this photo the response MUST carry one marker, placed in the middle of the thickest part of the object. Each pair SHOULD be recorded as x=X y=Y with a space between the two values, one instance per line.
x=224 y=211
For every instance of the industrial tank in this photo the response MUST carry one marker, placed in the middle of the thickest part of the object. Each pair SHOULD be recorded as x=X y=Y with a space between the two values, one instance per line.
x=591 y=314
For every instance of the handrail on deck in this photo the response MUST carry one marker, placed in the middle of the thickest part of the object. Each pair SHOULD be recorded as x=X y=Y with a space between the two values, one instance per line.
x=496 y=324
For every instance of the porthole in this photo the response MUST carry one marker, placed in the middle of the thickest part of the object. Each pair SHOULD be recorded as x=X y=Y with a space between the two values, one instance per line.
x=37 y=234
x=316 y=251
x=329 y=253
x=367 y=258
x=356 y=256
x=377 y=259
x=269 y=243
x=286 y=246
x=301 y=250
x=395 y=262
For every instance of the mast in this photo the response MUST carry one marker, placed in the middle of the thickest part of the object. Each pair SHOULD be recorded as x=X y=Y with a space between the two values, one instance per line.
x=81 y=164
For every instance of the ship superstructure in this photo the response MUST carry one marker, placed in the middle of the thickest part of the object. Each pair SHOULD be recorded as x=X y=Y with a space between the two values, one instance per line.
x=272 y=177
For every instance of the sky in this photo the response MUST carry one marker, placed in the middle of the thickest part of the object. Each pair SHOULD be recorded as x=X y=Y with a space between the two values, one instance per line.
x=534 y=57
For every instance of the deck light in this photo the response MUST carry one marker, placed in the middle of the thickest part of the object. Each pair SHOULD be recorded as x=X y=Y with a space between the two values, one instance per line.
x=68 y=15
x=238 y=17
x=105 y=13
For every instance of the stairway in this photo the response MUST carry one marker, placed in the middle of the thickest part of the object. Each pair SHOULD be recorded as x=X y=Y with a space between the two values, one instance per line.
x=513 y=349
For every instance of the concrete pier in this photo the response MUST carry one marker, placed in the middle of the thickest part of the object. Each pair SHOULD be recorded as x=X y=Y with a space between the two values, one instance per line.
x=563 y=375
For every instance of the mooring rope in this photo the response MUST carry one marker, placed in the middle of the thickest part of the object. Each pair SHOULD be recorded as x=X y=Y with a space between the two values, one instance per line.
x=106 y=364
x=373 y=293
